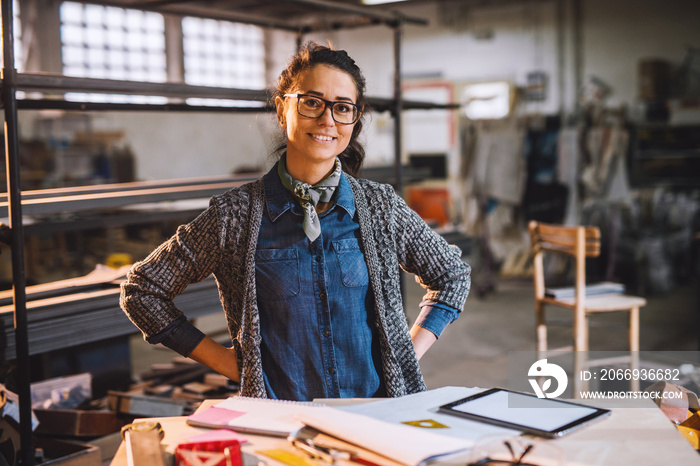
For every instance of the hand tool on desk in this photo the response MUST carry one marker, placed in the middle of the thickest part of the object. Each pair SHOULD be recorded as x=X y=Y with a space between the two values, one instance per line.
x=143 y=443
x=308 y=447
x=326 y=453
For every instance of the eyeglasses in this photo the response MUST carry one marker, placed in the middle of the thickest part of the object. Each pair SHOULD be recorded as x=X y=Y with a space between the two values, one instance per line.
x=309 y=106
x=512 y=452
x=516 y=458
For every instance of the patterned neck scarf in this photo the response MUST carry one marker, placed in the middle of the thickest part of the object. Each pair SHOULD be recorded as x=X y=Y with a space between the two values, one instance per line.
x=309 y=196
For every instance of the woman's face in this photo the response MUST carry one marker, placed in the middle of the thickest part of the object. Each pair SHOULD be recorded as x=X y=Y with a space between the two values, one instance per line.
x=316 y=141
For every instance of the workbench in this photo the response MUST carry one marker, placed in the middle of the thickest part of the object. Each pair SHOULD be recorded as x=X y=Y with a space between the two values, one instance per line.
x=634 y=434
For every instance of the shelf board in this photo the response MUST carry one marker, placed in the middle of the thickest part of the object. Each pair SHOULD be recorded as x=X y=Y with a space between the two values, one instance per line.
x=55 y=104
x=52 y=82
x=376 y=104
x=666 y=154
x=260 y=100
x=87 y=317
x=43 y=202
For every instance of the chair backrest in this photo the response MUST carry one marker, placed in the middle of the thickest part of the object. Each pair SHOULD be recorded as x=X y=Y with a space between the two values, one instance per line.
x=564 y=239
x=577 y=241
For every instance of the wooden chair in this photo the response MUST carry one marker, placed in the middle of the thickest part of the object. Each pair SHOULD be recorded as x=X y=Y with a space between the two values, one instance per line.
x=579 y=242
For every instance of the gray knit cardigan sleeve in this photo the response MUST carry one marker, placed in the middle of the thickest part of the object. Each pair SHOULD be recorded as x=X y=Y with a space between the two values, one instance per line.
x=198 y=249
x=188 y=257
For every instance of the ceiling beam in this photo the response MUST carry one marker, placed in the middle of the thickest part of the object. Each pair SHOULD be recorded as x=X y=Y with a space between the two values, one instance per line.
x=195 y=9
x=201 y=12
x=389 y=17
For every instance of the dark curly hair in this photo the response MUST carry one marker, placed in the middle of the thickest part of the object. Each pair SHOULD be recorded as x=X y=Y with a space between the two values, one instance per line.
x=310 y=55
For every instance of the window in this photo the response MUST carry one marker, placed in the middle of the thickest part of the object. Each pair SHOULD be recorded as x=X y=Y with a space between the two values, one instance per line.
x=112 y=43
x=222 y=54
x=17 y=30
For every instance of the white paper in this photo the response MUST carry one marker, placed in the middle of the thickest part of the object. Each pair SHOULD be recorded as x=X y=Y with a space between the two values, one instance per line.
x=424 y=406
x=408 y=445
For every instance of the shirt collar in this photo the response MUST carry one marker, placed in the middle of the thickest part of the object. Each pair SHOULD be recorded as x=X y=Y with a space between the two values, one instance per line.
x=278 y=199
x=345 y=198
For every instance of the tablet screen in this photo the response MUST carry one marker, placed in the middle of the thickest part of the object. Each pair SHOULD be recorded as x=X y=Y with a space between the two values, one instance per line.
x=539 y=416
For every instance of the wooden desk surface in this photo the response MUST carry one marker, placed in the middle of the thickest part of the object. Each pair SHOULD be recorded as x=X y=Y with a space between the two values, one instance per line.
x=631 y=436
x=637 y=436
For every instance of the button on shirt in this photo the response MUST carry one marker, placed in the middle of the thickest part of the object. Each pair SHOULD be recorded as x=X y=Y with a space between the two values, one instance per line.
x=317 y=313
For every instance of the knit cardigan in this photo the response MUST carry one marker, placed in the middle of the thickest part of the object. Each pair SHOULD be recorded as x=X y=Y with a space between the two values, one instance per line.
x=222 y=241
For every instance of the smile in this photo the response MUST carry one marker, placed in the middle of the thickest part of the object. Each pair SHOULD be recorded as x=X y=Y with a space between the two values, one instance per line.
x=319 y=137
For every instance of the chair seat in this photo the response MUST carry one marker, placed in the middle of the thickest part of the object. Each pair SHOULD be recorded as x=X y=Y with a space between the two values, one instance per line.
x=603 y=302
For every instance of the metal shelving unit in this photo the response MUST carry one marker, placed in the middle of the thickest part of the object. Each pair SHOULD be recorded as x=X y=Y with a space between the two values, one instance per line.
x=17 y=204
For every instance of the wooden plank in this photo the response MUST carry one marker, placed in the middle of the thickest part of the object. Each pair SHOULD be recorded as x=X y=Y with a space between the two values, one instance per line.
x=143 y=448
x=143 y=405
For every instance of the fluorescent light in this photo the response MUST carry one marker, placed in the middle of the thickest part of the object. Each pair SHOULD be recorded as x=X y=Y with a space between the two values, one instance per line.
x=380 y=2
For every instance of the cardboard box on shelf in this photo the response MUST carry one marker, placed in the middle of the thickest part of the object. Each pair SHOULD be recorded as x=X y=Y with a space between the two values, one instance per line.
x=77 y=423
x=68 y=453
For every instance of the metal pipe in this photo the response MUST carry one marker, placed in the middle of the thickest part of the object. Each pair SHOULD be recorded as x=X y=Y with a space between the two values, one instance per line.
x=578 y=54
x=9 y=87
x=61 y=83
x=561 y=61
x=187 y=184
x=377 y=104
x=300 y=40
x=398 y=110
x=52 y=104
x=118 y=198
x=322 y=26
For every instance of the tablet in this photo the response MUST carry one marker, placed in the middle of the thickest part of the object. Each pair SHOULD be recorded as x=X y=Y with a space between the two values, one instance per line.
x=543 y=417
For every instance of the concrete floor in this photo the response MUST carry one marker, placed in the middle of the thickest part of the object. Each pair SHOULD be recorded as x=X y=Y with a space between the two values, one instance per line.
x=473 y=351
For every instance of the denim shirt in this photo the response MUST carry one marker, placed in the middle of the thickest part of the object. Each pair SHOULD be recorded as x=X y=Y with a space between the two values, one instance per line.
x=316 y=308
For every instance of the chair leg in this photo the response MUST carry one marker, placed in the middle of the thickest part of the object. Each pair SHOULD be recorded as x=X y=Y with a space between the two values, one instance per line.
x=634 y=346
x=580 y=363
x=541 y=329
x=581 y=333
x=634 y=329
x=580 y=351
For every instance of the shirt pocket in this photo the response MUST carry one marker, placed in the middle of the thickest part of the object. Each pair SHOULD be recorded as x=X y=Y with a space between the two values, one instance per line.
x=351 y=261
x=277 y=274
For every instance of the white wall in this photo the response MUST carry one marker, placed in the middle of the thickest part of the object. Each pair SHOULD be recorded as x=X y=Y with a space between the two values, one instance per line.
x=617 y=34
x=192 y=144
x=464 y=43
x=615 y=37
x=523 y=40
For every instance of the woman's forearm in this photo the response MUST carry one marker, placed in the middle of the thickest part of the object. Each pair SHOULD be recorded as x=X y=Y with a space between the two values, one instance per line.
x=217 y=357
x=422 y=340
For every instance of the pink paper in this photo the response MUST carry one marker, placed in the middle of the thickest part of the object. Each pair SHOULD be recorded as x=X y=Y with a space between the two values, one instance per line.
x=216 y=416
x=217 y=435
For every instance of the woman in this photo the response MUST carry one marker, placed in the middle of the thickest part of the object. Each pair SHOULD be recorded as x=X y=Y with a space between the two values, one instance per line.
x=307 y=260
